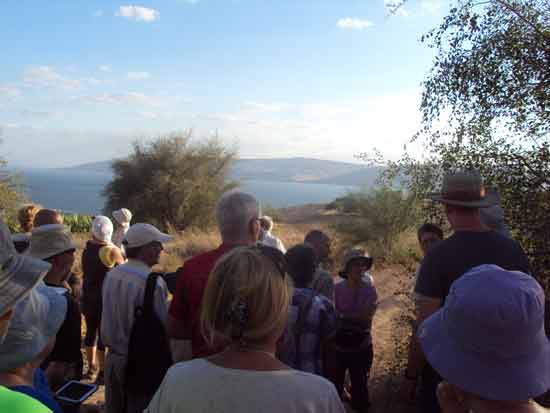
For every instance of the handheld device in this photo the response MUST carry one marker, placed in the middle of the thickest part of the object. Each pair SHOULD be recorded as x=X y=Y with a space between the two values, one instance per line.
x=75 y=392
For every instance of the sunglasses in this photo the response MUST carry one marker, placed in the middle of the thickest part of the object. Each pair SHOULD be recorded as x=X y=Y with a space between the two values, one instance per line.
x=274 y=255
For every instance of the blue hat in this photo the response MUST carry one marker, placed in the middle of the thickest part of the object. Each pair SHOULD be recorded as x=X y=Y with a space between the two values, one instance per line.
x=489 y=337
x=36 y=319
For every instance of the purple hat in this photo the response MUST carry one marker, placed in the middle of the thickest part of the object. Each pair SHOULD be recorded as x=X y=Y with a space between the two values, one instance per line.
x=489 y=337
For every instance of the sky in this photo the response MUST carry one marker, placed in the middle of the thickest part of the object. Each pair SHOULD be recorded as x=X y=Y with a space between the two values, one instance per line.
x=328 y=79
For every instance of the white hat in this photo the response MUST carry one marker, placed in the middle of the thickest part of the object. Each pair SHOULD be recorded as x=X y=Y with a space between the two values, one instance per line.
x=102 y=228
x=49 y=240
x=122 y=216
x=143 y=234
x=18 y=273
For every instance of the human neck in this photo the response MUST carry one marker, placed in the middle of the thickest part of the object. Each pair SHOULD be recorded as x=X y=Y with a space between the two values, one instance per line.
x=260 y=357
x=468 y=223
x=54 y=278
x=237 y=242
x=19 y=377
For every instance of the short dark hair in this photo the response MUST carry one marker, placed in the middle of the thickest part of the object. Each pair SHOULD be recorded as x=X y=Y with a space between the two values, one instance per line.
x=429 y=227
x=132 y=253
x=314 y=236
x=301 y=264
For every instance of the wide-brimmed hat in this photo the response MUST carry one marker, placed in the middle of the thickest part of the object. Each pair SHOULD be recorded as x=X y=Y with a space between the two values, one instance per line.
x=465 y=189
x=122 y=216
x=50 y=240
x=143 y=234
x=36 y=319
x=355 y=254
x=18 y=273
x=489 y=337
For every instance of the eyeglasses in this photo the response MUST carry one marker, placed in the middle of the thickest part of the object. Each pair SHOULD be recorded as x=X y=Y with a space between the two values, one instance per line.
x=274 y=255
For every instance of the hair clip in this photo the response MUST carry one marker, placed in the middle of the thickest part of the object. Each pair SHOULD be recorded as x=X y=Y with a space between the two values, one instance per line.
x=239 y=313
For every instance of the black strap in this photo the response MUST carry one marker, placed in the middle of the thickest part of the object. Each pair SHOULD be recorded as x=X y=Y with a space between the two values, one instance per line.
x=149 y=295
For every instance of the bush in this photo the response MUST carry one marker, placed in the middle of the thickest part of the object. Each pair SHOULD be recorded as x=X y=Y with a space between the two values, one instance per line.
x=78 y=223
x=170 y=182
x=377 y=220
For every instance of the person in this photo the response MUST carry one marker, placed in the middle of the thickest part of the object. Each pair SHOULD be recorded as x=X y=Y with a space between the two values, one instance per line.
x=237 y=215
x=312 y=318
x=123 y=291
x=51 y=217
x=493 y=216
x=266 y=237
x=98 y=257
x=122 y=217
x=322 y=281
x=245 y=306
x=53 y=244
x=25 y=216
x=428 y=235
x=351 y=347
x=30 y=316
x=491 y=349
x=471 y=244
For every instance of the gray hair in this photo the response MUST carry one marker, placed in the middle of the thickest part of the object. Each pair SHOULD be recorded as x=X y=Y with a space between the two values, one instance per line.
x=267 y=223
x=234 y=212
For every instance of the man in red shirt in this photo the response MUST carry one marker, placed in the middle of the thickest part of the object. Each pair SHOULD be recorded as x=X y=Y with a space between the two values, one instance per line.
x=238 y=218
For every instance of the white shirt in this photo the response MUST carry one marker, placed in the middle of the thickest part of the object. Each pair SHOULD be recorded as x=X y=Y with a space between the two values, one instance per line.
x=272 y=241
x=118 y=235
x=201 y=386
x=123 y=291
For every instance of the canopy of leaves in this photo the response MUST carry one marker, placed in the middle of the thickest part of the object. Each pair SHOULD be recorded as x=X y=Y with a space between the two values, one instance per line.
x=171 y=182
x=11 y=197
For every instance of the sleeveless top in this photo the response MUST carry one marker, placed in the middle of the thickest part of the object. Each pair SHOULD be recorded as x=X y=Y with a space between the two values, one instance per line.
x=95 y=266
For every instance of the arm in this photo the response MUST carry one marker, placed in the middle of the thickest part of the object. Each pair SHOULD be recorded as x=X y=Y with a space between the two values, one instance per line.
x=116 y=256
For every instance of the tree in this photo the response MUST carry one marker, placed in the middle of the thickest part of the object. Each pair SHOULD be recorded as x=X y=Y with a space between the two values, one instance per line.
x=486 y=105
x=171 y=182
x=11 y=196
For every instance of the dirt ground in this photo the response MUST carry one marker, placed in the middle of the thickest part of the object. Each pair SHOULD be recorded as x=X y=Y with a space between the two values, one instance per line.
x=390 y=334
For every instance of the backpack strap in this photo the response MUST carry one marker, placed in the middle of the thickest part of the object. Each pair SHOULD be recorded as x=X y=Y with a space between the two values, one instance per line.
x=149 y=295
x=298 y=327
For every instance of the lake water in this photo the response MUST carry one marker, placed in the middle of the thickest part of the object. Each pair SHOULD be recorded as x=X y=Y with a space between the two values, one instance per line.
x=80 y=191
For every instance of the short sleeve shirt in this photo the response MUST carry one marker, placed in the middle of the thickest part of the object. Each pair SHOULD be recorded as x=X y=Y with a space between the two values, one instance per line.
x=18 y=402
x=454 y=256
x=186 y=304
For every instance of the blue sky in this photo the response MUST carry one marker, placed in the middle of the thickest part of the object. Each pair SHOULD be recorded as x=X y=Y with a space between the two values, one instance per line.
x=79 y=81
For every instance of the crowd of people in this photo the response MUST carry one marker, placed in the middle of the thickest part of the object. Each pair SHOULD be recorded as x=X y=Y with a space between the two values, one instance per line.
x=251 y=326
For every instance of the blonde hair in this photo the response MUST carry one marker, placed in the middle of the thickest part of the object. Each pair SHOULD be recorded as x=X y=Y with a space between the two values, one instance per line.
x=25 y=216
x=244 y=276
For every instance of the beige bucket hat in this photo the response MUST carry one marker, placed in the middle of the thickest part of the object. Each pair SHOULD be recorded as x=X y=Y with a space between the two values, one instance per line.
x=50 y=240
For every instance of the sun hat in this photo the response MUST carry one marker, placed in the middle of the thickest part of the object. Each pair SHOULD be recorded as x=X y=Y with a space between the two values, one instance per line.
x=355 y=254
x=18 y=273
x=143 y=234
x=102 y=228
x=465 y=189
x=489 y=339
x=50 y=240
x=35 y=321
x=123 y=216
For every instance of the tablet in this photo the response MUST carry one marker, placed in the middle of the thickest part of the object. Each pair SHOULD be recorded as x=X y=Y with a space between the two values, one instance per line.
x=75 y=392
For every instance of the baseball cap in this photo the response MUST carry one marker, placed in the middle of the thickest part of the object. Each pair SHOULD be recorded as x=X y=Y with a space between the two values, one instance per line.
x=142 y=234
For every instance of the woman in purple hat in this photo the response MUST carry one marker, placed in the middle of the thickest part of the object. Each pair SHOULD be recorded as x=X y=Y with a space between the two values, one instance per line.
x=488 y=343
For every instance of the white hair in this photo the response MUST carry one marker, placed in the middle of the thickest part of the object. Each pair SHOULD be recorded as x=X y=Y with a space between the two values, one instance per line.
x=234 y=212
x=267 y=223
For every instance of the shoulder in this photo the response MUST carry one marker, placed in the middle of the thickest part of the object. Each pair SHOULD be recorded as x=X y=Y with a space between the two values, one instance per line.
x=204 y=261
x=185 y=370
x=307 y=384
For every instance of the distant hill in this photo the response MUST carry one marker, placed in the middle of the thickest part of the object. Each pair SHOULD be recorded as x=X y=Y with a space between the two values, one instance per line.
x=304 y=170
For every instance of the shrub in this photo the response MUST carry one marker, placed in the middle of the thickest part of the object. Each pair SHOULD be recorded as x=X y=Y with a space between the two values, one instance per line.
x=78 y=223
x=170 y=182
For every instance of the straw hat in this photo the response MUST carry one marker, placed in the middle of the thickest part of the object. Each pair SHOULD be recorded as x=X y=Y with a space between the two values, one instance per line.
x=18 y=273
x=465 y=189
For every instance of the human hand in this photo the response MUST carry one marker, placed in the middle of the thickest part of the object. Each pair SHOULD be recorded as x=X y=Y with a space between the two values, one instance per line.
x=450 y=399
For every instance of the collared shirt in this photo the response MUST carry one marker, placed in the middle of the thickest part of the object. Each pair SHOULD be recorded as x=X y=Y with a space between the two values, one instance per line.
x=123 y=291
x=319 y=323
x=190 y=287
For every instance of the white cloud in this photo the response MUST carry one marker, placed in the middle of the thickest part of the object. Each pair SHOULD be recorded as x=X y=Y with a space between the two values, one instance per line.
x=104 y=68
x=138 y=75
x=354 y=23
x=9 y=91
x=431 y=6
x=122 y=98
x=98 y=13
x=261 y=107
x=47 y=76
x=138 y=13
